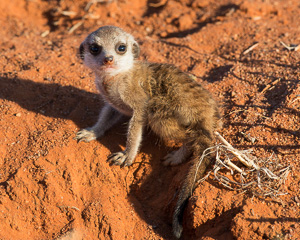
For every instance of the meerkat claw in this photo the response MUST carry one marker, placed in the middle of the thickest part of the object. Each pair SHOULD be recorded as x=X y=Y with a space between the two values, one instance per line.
x=117 y=158
x=85 y=135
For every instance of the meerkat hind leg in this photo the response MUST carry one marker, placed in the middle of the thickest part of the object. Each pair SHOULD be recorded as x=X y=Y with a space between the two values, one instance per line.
x=177 y=157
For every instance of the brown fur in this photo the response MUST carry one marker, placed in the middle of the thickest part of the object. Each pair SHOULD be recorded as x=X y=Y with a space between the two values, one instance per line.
x=170 y=102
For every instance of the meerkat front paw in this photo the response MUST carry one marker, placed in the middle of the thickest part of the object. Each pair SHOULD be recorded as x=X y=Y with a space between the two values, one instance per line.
x=119 y=158
x=86 y=135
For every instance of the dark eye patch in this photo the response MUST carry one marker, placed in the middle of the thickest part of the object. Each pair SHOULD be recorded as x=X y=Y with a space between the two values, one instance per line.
x=81 y=51
x=95 y=49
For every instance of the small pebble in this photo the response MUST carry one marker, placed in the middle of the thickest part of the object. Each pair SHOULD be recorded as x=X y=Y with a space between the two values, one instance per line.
x=163 y=34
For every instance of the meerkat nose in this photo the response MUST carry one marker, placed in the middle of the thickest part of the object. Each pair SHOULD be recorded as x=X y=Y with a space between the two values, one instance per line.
x=108 y=60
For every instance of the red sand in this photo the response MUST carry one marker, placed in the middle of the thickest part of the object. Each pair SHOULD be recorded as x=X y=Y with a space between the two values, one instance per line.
x=50 y=185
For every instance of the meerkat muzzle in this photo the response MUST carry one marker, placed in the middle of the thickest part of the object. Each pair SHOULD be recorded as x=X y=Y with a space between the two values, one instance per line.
x=108 y=60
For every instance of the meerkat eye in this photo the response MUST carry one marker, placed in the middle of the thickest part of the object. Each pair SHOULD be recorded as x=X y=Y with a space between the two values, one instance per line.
x=121 y=48
x=95 y=49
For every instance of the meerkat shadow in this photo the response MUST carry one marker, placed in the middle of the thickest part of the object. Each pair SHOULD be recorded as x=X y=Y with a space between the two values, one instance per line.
x=64 y=102
x=57 y=101
x=83 y=107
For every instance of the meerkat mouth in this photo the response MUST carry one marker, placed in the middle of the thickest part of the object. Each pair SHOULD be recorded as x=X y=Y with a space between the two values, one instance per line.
x=108 y=67
x=109 y=70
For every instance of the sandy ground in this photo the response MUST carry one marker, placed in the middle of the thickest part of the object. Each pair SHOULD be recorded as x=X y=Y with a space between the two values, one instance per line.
x=52 y=187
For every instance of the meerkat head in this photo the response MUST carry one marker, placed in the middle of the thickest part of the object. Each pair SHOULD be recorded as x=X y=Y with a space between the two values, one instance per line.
x=109 y=50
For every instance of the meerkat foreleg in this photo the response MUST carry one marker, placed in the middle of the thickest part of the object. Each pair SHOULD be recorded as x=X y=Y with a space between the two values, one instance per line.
x=107 y=118
x=134 y=138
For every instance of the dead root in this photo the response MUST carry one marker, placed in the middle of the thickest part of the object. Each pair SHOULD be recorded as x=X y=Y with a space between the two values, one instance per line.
x=263 y=176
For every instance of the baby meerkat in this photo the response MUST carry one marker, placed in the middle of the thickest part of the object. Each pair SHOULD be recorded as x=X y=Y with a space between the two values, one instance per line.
x=158 y=95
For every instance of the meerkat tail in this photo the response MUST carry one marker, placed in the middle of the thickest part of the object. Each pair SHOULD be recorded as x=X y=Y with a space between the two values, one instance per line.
x=196 y=172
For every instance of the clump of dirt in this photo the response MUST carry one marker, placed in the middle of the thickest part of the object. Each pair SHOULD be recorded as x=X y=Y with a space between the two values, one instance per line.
x=52 y=187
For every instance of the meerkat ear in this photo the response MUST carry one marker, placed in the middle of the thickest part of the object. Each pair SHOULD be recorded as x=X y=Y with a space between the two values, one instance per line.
x=135 y=50
x=81 y=51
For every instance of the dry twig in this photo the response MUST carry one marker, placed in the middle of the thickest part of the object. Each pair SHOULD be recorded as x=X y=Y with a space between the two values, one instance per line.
x=292 y=47
x=270 y=86
x=159 y=4
x=248 y=137
x=88 y=15
x=75 y=26
x=90 y=3
x=264 y=180
x=242 y=157
x=250 y=48
x=297 y=98
x=68 y=207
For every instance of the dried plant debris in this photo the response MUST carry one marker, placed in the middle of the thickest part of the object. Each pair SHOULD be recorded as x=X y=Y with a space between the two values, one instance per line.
x=90 y=3
x=291 y=47
x=158 y=4
x=249 y=49
x=248 y=137
x=264 y=177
